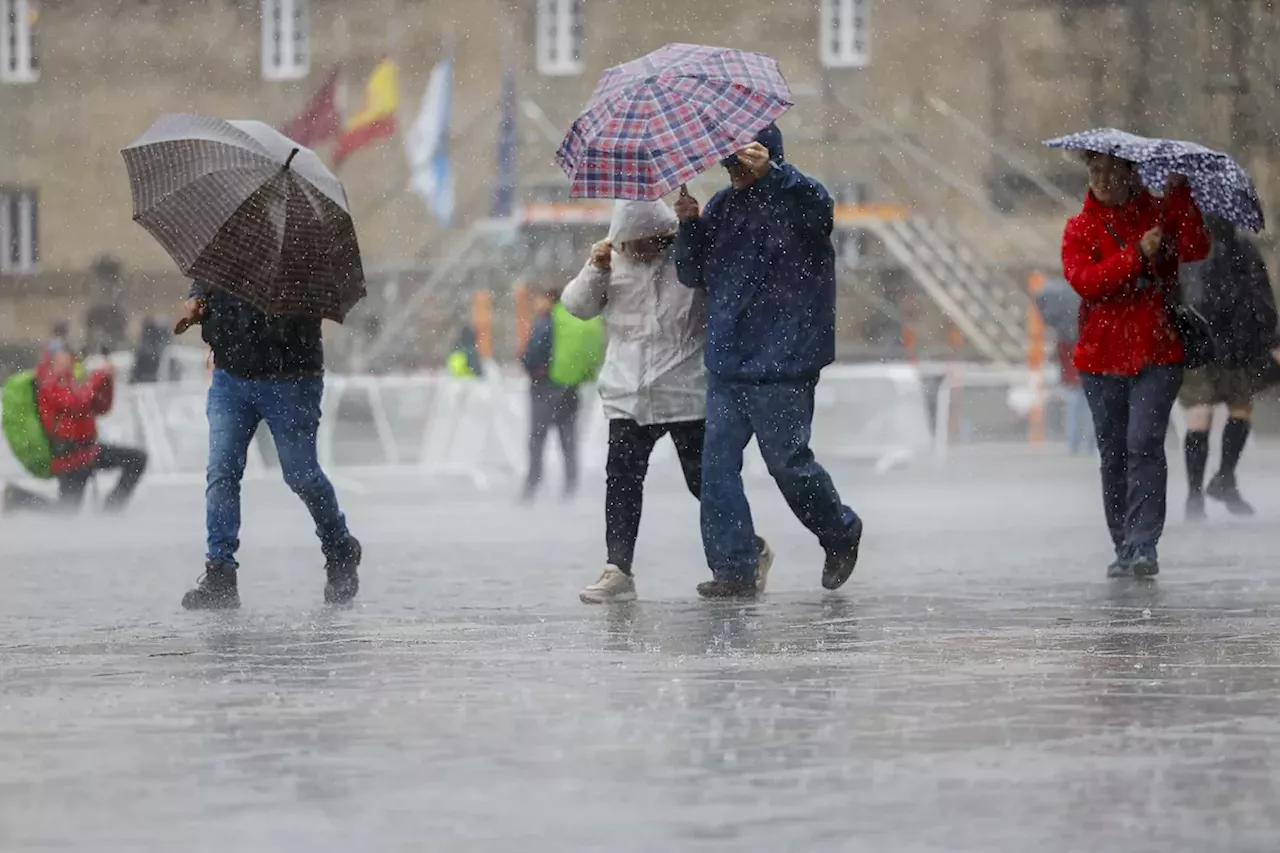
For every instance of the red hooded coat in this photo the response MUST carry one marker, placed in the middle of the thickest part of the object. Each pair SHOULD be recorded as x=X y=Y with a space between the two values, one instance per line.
x=68 y=408
x=1124 y=327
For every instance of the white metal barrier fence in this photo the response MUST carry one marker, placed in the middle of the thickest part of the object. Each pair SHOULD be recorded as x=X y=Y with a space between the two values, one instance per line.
x=438 y=425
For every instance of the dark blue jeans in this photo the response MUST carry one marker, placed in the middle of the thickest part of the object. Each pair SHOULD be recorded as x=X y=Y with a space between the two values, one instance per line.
x=291 y=408
x=1130 y=418
x=780 y=416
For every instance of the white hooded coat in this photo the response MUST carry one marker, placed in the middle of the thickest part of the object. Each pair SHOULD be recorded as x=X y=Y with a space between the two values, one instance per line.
x=653 y=368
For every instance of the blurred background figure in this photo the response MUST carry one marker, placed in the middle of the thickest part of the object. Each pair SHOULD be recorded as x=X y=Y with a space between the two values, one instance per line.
x=563 y=352
x=1059 y=308
x=464 y=359
x=59 y=336
x=1077 y=425
x=1233 y=292
x=68 y=407
x=149 y=354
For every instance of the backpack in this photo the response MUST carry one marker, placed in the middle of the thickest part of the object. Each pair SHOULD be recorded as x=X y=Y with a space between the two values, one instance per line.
x=20 y=419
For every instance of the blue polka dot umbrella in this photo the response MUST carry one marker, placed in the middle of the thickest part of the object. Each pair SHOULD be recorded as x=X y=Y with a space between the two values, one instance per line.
x=1219 y=185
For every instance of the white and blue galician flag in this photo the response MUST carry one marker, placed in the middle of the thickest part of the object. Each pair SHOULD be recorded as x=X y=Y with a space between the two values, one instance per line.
x=427 y=145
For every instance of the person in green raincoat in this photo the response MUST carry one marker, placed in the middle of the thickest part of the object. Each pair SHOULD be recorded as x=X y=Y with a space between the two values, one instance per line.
x=563 y=353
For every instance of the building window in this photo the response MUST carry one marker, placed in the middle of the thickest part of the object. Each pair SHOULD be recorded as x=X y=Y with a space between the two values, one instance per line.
x=286 y=39
x=844 y=33
x=19 y=232
x=19 y=56
x=560 y=37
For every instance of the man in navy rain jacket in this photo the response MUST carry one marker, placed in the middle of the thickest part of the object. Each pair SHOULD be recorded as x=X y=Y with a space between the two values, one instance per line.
x=762 y=249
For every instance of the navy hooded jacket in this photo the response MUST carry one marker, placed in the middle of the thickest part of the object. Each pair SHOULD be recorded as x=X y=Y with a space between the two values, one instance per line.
x=765 y=257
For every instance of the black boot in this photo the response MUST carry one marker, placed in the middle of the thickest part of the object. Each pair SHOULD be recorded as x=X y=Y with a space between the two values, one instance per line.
x=839 y=564
x=1195 y=507
x=1223 y=488
x=729 y=588
x=340 y=565
x=216 y=590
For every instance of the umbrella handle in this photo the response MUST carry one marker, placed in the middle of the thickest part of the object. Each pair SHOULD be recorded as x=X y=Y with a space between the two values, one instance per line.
x=684 y=191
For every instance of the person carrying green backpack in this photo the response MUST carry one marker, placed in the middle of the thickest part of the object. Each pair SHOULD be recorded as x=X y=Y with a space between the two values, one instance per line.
x=50 y=421
x=563 y=353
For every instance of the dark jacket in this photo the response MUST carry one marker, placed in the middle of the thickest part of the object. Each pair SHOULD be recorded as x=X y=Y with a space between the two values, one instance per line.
x=765 y=257
x=248 y=344
x=536 y=357
x=149 y=354
x=1233 y=292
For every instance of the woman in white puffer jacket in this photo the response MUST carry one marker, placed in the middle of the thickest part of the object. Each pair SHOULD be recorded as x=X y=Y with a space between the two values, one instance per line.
x=653 y=381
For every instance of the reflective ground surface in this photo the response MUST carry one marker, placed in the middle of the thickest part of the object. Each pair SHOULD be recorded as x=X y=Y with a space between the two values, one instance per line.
x=978 y=685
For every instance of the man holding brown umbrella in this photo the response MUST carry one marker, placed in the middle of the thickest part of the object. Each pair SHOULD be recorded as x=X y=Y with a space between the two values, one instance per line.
x=263 y=228
x=265 y=369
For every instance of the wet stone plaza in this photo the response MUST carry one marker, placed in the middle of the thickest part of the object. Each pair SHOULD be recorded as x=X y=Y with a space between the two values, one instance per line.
x=977 y=686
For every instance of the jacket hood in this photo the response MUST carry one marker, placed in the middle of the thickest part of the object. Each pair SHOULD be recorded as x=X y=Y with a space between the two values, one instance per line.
x=636 y=220
x=770 y=138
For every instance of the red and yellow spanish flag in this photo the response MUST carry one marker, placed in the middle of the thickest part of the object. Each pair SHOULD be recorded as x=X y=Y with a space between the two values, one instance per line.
x=376 y=118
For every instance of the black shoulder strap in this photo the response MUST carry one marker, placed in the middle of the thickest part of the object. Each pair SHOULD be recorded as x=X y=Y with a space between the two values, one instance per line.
x=1114 y=236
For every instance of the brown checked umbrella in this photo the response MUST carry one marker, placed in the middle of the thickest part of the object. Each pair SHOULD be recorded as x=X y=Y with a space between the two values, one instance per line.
x=248 y=210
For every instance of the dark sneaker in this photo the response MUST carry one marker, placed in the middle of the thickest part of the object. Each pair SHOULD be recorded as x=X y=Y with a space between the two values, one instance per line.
x=216 y=589
x=1144 y=564
x=729 y=588
x=839 y=564
x=340 y=565
x=1226 y=491
x=1119 y=568
x=1195 y=507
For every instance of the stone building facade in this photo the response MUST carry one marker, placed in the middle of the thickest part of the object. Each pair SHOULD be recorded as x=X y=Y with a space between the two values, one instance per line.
x=898 y=98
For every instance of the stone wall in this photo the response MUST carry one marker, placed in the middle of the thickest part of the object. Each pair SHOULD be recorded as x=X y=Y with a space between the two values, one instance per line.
x=1015 y=69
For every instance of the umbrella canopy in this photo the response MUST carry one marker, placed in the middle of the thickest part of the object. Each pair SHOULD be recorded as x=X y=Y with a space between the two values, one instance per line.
x=1218 y=183
x=654 y=123
x=248 y=210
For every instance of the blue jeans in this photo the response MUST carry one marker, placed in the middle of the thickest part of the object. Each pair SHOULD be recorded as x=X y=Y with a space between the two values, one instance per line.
x=780 y=416
x=291 y=408
x=1131 y=418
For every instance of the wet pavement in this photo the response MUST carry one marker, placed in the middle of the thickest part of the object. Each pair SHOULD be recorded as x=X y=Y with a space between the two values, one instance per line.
x=978 y=685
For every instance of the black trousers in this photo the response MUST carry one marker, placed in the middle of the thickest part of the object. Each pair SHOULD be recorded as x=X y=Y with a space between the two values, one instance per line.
x=552 y=406
x=630 y=446
x=130 y=462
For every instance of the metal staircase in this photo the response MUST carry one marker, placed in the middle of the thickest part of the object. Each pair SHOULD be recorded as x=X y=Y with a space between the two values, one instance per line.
x=985 y=302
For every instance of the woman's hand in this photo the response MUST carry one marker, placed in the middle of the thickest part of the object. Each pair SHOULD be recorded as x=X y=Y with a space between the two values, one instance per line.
x=1150 y=243
x=602 y=254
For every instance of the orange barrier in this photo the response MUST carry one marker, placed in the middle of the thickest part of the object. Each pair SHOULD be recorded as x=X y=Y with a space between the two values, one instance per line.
x=524 y=315
x=1035 y=357
x=482 y=322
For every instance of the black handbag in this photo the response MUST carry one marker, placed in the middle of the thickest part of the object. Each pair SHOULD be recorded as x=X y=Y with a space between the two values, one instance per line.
x=1199 y=345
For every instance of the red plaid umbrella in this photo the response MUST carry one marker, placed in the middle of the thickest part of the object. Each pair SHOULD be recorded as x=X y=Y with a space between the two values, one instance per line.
x=654 y=123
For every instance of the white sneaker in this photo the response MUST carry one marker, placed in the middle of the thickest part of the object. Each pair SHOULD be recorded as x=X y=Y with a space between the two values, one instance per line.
x=763 y=565
x=614 y=585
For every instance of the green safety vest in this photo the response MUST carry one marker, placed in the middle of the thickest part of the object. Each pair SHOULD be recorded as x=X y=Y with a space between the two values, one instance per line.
x=459 y=365
x=577 y=348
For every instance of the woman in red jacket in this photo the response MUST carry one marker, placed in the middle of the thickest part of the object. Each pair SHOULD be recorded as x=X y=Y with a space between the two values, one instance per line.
x=1121 y=254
